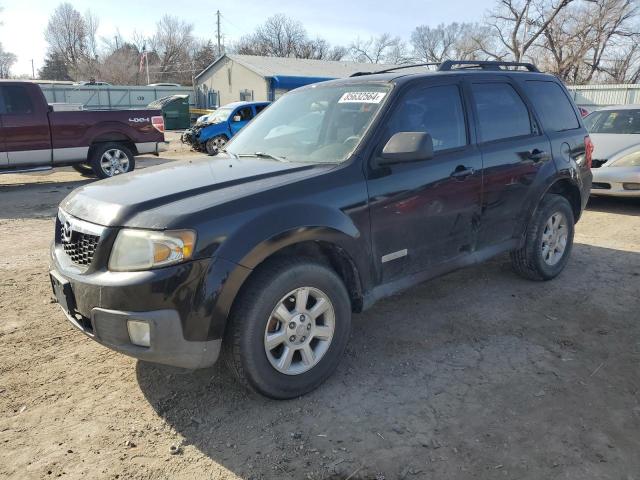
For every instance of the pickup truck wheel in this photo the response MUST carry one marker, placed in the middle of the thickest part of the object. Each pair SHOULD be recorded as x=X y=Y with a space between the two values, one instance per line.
x=83 y=169
x=289 y=328
x=110 y=159
x=548 y=241
x=213 y=145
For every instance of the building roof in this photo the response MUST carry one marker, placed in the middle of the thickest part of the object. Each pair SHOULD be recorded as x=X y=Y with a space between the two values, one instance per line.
x=297 y=67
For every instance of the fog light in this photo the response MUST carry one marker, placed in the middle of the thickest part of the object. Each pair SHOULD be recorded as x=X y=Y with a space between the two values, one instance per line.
x=139 y=333
x=631 y=186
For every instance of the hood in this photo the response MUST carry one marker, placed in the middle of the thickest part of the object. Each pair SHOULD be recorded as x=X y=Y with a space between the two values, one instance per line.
x=609 y=145
x=155 y=196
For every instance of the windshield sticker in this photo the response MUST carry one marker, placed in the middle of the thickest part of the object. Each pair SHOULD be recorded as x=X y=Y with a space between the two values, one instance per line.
x=362 y=97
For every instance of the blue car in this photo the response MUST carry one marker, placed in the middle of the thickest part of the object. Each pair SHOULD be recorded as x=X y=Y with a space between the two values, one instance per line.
x=213 y=131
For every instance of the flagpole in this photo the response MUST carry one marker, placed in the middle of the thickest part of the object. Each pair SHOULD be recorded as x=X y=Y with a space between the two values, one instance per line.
x=146 y=61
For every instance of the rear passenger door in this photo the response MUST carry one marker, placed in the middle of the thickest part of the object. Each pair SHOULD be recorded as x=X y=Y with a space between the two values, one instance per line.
x=559 y=121
x=513 y=152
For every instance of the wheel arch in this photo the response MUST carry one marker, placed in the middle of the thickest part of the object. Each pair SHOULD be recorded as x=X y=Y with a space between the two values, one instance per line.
x=113 y=137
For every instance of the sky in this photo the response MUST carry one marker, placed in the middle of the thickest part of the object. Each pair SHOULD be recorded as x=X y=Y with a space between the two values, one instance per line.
x=338 y=21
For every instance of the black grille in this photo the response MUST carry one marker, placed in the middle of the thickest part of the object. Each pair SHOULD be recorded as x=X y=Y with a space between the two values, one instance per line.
x=601 y=185
x=80 y=247
x=597 y=163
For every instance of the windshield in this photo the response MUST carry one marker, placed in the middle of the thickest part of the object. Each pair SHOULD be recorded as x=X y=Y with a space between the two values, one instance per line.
x=322 y=124
x=614 y=121
x=220 y=115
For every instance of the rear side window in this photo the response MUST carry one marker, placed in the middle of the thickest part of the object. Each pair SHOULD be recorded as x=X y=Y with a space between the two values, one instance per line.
x=435 y=110
x=16 y=100
x=552 y=104
x=501 y=111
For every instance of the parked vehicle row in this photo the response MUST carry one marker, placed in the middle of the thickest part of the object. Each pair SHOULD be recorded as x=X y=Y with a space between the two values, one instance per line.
x=264 y=251
x=33 y=135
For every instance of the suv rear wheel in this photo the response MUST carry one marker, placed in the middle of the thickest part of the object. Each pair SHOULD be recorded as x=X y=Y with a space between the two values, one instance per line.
x=289 y=328
x=548 y=242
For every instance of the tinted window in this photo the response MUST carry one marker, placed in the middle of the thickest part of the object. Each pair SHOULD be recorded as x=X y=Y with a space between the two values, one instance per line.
x=501 y=111
x=259 y=108
x=614 y=121
x=16 y=100
x=552 y=104
x=437 y=111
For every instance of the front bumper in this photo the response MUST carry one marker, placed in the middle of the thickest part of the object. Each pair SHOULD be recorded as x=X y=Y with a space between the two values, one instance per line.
x=182 y=304
x=167 y=346
x=611 y=181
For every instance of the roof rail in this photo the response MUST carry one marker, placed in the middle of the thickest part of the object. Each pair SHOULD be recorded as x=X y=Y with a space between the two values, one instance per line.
x=448 y=65
x=399 y=67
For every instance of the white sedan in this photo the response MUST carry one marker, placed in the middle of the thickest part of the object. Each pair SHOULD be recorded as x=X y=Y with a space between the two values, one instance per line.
x=615 y=132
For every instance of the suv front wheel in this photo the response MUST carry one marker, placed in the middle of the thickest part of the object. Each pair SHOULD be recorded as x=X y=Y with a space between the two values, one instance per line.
x=548 y=240
x=289 y=328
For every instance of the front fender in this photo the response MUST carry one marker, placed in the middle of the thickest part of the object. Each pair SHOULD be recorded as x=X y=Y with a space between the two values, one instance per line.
x=213 y=131
x=281 y=228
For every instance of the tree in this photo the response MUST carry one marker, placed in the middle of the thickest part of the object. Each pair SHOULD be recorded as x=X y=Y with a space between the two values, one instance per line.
x=7 y=59
x=204 y=55
x=443 y=42
x=380 y=49
x=517 y=25
x=172 y=43
x=54 y=68
x=282 y=36
x=66 y=34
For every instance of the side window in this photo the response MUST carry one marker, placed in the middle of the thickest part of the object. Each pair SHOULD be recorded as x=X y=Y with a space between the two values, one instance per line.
x=244 y=113
x=259 y=108
x=552 y=104
x=16 y=100
x=435 y=110
x=501 y=111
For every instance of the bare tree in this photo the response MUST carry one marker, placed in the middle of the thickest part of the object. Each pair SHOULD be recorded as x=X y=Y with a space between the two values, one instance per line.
x=518 y=24
x=66 y=34
x=381 y=49
x=7 y=59
x=172 y=43
x=452 y=41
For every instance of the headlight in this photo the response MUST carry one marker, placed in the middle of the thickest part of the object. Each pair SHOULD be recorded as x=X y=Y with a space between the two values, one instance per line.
x=144 y=249
x=631 y=160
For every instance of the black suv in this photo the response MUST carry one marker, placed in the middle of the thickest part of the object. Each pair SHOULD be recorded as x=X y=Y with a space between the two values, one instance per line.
x=339 y=194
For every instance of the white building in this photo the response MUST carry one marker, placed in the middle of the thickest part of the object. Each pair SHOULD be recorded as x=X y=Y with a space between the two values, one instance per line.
x=247 y=77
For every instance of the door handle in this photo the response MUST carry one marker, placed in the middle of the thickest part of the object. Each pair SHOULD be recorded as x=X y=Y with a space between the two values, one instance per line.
x=537 y=155
x=462 y=172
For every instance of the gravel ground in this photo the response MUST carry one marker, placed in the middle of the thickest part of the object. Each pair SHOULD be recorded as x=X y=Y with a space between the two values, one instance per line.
x=478 y=374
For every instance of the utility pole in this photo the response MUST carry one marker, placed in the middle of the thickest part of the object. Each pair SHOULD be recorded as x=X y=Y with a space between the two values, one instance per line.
x=219 y=35
x=33 y=70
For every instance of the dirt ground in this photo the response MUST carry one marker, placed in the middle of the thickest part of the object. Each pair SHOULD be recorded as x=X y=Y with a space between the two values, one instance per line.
x=478 y=374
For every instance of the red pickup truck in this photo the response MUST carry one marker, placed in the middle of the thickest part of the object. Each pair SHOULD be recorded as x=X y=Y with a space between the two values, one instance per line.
x=36 y=136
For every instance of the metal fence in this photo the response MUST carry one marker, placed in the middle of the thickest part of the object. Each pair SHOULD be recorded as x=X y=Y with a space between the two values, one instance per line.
x=591 y=96
x=110 y=97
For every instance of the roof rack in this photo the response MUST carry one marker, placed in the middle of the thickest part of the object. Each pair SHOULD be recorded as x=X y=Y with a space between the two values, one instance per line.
x=448 y=65
x=392 y=69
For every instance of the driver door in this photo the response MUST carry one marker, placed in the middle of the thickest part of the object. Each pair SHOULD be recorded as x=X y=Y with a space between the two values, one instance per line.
x=425 y=214
x=240 y=118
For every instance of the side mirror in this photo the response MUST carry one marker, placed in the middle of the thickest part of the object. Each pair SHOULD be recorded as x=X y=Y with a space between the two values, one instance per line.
x=407 y=147
x=237 y=118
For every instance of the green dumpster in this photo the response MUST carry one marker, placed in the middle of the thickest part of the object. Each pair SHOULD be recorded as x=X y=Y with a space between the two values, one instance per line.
x=175 y=111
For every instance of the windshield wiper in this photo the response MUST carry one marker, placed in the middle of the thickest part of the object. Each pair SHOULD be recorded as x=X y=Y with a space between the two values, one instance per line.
x=263 y=155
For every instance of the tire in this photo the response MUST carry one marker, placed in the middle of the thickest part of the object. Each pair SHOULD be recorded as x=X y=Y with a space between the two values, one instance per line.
x=273 y=285
x=99 y=159
x=545 y=254
x=214 y=144
x=83 y=169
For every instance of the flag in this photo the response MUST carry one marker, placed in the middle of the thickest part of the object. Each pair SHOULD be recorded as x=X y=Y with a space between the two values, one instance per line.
x=143 y=55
